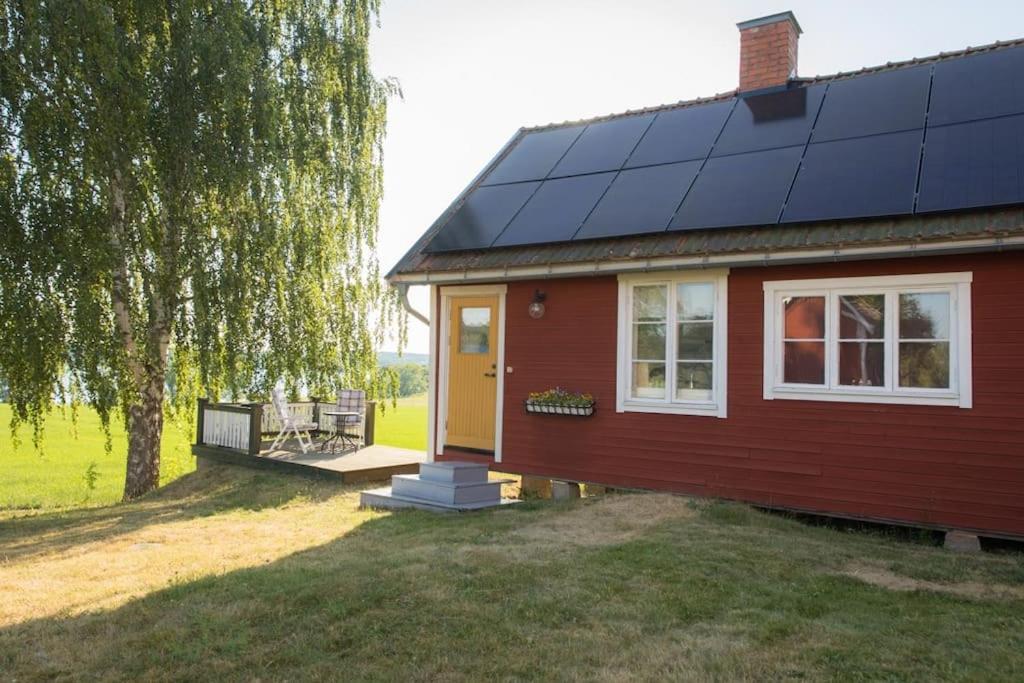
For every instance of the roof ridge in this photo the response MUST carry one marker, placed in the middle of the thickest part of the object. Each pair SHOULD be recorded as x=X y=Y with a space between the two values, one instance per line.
x=839 y=75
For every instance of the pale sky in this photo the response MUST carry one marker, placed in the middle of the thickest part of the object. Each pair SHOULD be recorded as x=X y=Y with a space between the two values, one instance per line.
x=474 y=71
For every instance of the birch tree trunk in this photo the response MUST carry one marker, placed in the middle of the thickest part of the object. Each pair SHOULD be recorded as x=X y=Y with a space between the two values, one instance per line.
x=145 y=428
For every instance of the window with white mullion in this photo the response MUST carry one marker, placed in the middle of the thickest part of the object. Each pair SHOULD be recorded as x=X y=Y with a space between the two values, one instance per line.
x=673 y=356
x=896 y=339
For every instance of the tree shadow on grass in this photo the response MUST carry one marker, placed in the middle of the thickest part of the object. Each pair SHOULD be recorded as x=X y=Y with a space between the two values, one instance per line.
x=214 y=490
x=415 y=596
x=301 y=616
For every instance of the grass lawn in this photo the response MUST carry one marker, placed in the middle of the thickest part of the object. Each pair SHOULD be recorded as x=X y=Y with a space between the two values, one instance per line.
x=57 y=476
x=229 y=574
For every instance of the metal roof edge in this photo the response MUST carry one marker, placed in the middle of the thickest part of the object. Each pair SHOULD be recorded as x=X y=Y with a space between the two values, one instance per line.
x=745 y=259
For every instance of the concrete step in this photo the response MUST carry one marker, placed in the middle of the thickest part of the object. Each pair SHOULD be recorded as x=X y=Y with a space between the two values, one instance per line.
x=454 y=472
x=385 y=498
x=446 y=493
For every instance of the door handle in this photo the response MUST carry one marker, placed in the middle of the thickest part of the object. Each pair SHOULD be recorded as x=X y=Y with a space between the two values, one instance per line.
x=490 y=374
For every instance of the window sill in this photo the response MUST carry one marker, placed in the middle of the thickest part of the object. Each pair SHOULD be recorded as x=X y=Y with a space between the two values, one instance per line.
x=936 y=399
x=703 y=408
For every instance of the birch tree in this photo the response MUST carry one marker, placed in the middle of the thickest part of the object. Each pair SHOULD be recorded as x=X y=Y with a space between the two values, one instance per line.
x=189 y=179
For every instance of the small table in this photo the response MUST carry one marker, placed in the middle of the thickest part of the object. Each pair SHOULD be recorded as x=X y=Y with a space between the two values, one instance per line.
x=339 y=429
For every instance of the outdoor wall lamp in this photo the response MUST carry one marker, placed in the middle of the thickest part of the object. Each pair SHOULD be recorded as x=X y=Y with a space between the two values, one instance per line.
x=536 y=308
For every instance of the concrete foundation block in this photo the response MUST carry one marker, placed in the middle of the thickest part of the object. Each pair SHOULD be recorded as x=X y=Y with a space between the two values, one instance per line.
x=565 y=490
x=962 y=542
x=535 y=487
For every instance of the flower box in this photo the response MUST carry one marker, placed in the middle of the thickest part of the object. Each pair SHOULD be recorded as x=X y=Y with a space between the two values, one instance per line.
x=558 y=401
x=555 y=409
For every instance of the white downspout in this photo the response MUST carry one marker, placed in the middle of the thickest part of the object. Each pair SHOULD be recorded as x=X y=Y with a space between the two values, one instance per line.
x=403 y=293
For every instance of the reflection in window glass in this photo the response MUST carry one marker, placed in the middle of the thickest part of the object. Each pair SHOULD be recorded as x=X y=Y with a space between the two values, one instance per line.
x=695 y=301
x=649 y=380
x=924 y=340
x=650 y=328
x=862 y=340
x=805 y=317
x=924 y=316
x=803 y=347
x=804 y=362
x=695 y=341
x=474 y=330
x=649 y=303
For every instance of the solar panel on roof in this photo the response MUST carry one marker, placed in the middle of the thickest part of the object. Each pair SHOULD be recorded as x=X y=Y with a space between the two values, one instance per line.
x=680 y=134
x=640 y=200
x=885 y=102
x=980 y=163
x=977 y=87
x=743 y=189
x=484 y=214
x=778 y=119
x=603 y=146
x=534 y=155
x=869 y=176
x=556 y=210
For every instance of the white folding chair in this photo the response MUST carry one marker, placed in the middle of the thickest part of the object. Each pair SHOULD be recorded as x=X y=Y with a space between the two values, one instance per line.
x=290 y=425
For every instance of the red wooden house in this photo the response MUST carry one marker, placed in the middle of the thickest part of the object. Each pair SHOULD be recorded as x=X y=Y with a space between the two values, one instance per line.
x=804 y=294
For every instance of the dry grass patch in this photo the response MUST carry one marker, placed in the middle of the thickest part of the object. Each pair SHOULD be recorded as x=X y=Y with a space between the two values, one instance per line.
x=890 y=580
x=607 y=520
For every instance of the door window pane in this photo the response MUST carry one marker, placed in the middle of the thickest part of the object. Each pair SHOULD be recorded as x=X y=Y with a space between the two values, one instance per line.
x=924 y=365
x=804 y=362
x=696 y=341
x=862 y=364
x=474 y=330
x=924 y=316
x=862 y=316
x=648 y=380
x=805 y=317
x=695 y=301
x=694 y=381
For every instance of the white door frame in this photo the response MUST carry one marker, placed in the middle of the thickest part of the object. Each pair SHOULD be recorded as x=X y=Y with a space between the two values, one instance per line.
x=439 y=339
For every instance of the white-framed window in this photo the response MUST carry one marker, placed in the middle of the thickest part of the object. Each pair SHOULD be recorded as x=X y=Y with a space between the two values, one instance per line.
x=890 y=339
x=672 y=343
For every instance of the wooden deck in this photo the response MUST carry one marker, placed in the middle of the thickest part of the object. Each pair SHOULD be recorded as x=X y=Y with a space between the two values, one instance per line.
x=372 y=463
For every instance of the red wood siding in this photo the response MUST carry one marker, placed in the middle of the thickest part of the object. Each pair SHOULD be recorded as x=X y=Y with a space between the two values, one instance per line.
x=942 y=466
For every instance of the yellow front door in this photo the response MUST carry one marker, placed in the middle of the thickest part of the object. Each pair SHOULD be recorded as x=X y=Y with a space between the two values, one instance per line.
x=472 y=372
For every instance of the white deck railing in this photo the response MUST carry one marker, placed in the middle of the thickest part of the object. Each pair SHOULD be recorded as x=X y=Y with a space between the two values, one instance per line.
x=229 y=425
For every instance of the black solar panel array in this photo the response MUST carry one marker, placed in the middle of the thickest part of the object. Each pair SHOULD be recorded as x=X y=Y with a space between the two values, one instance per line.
x=927 y=138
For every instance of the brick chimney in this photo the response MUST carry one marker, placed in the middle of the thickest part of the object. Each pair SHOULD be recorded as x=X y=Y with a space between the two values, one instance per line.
x=768 y=51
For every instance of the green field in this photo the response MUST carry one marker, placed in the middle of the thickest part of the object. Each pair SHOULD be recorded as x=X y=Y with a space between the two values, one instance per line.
x=404 y=425
x=58 y=475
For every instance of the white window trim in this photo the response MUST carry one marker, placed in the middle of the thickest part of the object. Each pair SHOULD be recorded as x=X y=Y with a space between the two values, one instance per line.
x=623 y=401
x=960 y=370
